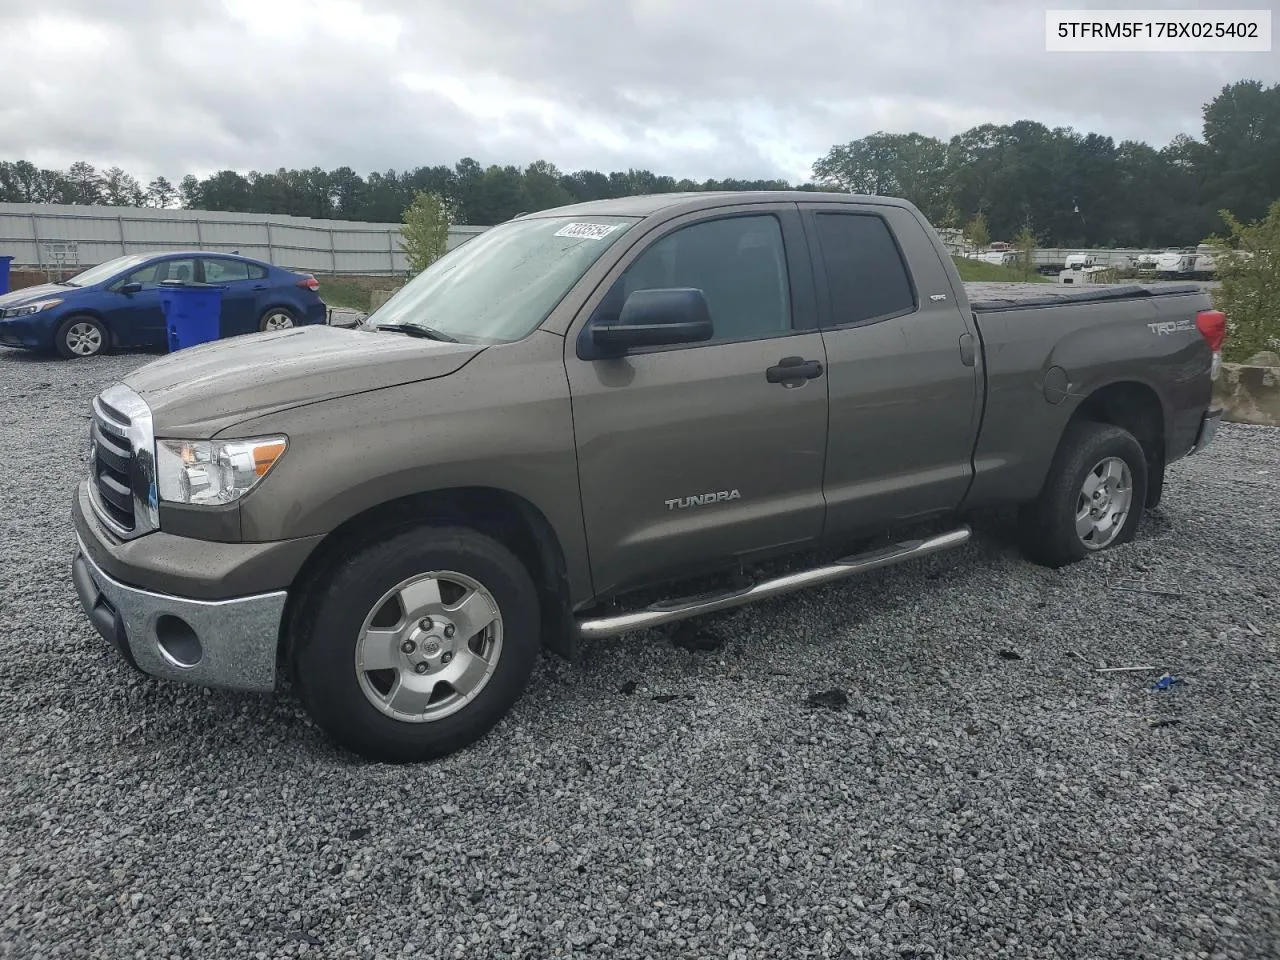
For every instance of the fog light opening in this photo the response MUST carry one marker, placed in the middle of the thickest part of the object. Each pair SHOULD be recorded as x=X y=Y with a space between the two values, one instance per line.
x=177 y=641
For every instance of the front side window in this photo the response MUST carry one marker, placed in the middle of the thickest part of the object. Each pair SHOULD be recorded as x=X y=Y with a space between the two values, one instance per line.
x=225 y=271
x=739 y=264
x=105 y=271
x=501 y=285
x=154 y=274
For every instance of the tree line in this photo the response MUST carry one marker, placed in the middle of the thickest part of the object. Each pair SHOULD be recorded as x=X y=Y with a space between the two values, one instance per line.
x=475 y=194
x=1063 y=187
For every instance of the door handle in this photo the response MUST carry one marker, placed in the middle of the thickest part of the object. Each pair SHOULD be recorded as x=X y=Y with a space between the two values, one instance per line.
x=791 y=369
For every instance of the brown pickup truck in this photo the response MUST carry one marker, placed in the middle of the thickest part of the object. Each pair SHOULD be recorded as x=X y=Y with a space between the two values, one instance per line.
x=589 y=407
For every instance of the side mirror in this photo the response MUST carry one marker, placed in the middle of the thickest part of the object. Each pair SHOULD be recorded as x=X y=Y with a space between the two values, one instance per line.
x=129 y=288
x=655 y=318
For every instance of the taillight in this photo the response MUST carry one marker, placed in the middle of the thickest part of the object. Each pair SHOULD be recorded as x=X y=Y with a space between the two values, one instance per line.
x=1212 y=325
x=311 y=283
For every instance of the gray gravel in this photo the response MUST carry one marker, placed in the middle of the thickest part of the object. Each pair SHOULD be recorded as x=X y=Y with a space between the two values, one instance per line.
x=660 y=801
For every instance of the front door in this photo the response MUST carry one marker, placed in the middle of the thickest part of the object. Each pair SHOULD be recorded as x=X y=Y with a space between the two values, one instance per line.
x=903 y=370
x=692 y=456
x=137 y=319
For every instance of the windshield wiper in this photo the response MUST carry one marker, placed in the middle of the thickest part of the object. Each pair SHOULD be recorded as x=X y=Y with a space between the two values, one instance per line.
x=418 y=330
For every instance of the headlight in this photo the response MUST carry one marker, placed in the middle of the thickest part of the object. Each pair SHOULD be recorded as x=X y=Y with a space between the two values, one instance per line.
x=29 y=308
x=213 y=471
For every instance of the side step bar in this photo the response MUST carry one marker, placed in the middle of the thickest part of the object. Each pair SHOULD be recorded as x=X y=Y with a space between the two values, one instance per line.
x=671 y=611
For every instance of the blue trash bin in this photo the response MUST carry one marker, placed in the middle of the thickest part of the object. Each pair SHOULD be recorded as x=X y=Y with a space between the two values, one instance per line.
x=4 y=274
x=192 y=313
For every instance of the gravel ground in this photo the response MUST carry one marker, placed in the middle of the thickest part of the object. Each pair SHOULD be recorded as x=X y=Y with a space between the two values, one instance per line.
x=972 y=788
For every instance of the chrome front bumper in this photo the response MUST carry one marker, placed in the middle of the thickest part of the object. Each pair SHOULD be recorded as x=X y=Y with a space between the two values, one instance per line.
x=211 y=643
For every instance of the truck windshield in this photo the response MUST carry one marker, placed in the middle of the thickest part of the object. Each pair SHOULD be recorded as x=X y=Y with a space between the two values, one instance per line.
x=500 y=286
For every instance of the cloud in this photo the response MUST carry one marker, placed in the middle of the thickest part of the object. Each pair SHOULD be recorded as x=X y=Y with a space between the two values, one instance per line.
x=746 y=88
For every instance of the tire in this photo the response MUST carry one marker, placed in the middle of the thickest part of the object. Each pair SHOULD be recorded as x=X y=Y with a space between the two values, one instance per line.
x=277 y=318
x=80 y=337
x=1053 y=526
x=365 y=710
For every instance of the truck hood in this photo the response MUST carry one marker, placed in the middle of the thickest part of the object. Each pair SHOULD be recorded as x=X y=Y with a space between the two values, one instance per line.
x=196 y=392
x=31 y=294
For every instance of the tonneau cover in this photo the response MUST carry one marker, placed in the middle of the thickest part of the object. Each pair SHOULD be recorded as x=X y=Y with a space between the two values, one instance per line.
x=1013 y=296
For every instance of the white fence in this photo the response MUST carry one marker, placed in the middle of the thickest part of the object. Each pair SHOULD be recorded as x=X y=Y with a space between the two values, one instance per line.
x=85 y=235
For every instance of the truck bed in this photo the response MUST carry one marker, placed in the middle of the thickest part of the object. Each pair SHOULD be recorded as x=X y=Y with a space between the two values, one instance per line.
x=986 y=296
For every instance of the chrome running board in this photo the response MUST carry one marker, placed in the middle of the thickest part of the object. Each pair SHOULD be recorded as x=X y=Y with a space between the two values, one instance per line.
x=670 y=611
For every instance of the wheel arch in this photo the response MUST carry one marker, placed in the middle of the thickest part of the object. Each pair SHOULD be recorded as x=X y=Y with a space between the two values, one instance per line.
x=94 y=314
x=507 y=517
x=275 y=304
x=1134 y=406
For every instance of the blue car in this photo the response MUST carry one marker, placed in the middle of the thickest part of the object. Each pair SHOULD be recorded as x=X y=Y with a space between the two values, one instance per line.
x=116 y=305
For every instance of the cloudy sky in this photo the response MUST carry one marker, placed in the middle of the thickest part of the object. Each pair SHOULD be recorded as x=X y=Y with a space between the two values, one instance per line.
x=697 y=88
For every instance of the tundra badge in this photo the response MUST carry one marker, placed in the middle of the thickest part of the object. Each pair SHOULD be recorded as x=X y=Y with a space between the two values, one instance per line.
x=702 y=499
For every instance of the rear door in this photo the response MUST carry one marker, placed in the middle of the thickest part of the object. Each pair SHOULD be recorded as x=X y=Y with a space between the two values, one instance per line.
x=901 y=368
x=239 y=293
x=689 y=456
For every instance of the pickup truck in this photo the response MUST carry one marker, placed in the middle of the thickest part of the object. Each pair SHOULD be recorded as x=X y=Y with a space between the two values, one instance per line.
x=604 y=418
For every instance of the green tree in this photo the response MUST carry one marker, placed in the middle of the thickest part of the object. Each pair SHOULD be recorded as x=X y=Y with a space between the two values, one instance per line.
x=24 y=182
x=907 y=165
x=190 y=193
x=1025 y=244
x=345 y=186
x=228 y=190
x=383 y=199
x=120 y=189
x=1248 y=264
x=160 y=193
x=86 y=184
x=543 y=188
x=1241 y=154
x=977 y=232
x=425 y=230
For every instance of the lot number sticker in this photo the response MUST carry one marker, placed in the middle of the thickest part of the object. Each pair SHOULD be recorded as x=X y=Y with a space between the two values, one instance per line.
x=587 y=231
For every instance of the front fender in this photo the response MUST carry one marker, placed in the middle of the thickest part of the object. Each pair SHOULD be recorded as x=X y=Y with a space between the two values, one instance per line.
x=502 y=422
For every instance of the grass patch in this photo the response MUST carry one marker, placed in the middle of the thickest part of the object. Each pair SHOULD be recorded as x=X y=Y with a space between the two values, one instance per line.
x=974 y=271
x=345 y=293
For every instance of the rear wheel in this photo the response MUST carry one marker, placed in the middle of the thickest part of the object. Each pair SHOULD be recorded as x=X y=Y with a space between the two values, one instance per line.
x=79 y=337
x=1093 y=499
x=418 y=646
x=277 y=318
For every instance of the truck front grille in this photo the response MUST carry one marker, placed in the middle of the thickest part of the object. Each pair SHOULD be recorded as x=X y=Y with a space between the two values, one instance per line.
x=113 y=466
x=121 y=466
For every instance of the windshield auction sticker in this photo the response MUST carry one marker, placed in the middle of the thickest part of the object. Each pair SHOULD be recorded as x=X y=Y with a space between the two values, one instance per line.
x=1160 y=31
x=587 y=231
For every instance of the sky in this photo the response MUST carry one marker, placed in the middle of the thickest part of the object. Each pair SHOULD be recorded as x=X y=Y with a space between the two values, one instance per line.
x=689 y=88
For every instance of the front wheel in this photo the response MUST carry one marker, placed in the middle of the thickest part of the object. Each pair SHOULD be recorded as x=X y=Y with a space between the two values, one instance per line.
x=417 y=647
x=80 y=337
x=1093 y=499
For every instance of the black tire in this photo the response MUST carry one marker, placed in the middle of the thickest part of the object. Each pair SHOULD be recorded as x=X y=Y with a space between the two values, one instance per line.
x=265 y=322
x=324 y=664
x=81 y=337
x=1047 y=525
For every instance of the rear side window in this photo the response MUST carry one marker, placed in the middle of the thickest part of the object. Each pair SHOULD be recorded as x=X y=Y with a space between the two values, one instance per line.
x=225 y=271
x=866 y=275
x=256 y=272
